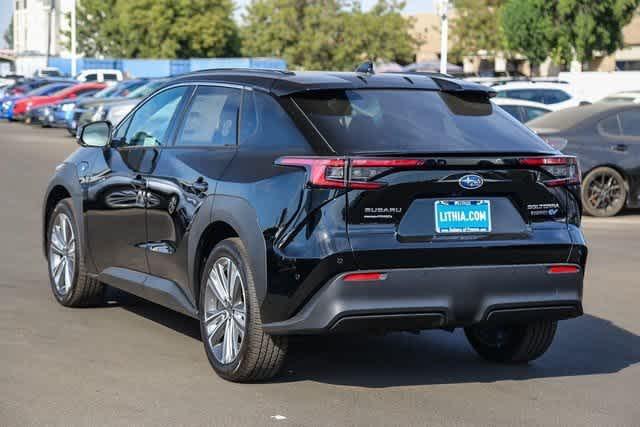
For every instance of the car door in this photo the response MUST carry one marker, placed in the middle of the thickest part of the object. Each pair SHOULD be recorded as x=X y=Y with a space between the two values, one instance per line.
x=116 y=192
x=186 y=177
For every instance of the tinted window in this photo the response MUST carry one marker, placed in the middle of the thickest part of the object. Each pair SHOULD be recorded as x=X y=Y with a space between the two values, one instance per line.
x=531 y=113
x=149 y=124
x=630 y=122
x=91 y=78
x=543 y=96
x=110 y=76
x=514 y=110
x=610 y=125
x=212 y=117
x=264 y=123
x=415 y=121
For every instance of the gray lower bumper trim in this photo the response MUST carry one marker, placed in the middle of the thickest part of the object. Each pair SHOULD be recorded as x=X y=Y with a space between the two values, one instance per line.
x=411 y=299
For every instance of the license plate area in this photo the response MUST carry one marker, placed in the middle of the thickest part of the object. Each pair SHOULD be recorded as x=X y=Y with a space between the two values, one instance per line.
x=462 y=216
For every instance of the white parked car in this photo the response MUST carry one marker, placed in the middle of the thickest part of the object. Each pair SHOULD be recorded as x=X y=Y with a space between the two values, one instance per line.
x=97 y=75
x=48 y=72
x=622 y=97
x=556 y=96
x=523 y=111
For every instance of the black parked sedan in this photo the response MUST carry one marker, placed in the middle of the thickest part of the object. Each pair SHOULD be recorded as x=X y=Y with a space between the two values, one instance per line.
x=606 y=140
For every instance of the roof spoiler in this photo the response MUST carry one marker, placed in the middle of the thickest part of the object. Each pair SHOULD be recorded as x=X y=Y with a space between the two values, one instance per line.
x=458 y=86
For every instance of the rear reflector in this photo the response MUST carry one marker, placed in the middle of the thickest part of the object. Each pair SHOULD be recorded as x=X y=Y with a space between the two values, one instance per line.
x=364 y=277
x=563 y=269
x=564 y=170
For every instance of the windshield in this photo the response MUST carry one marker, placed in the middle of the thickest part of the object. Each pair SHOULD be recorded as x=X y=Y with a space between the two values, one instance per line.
x=146 y=89
x=368 y=121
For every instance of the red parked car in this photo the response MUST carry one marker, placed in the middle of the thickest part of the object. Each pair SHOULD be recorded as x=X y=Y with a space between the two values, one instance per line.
x=22 y=106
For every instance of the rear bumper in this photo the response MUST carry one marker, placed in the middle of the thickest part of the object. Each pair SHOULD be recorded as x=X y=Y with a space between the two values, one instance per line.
x=448 y=297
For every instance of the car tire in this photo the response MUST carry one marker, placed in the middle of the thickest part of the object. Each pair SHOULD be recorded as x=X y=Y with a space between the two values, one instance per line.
x=252 y=355
x=607 y=181
x=71 y=285
x=511 y=343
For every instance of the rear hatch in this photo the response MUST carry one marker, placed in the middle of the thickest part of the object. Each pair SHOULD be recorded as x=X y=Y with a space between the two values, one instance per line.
x=440 y=179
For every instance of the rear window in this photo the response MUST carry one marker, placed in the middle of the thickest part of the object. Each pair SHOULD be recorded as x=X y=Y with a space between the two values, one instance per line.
x=366 y=121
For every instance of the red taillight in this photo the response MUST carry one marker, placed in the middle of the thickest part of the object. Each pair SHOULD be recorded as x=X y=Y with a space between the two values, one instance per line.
x=331 y=172
x=364 y=277
x=563 y=169
x=563 y=269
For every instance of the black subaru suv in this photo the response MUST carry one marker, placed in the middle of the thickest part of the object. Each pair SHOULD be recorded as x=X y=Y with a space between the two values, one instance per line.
x=270 y=203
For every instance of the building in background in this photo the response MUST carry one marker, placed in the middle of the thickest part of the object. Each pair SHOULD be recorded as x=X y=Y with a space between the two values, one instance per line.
x=426 y=27
x=38 y=32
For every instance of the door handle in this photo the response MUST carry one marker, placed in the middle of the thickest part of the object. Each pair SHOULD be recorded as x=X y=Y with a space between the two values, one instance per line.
x=620 y=148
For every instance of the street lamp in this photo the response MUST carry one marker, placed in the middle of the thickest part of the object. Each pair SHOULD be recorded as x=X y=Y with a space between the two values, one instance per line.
x=73 y=39
x=443 y=8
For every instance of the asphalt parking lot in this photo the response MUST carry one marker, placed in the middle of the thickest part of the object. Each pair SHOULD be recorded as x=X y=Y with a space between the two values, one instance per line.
x=134 y=363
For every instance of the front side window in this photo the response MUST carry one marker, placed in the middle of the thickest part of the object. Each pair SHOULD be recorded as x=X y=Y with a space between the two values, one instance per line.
x=211 y=118
x=91 y=78
x=418 y=121
x=149 y=124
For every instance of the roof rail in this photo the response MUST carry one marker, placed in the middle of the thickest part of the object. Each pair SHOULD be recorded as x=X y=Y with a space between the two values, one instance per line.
x=244 y=70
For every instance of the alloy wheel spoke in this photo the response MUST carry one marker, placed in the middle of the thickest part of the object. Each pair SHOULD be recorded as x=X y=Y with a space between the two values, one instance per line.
x=215 y=328
x=215 y=284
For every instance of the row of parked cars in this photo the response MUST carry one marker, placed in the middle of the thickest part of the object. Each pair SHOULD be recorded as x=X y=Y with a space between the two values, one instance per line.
x=69 y=103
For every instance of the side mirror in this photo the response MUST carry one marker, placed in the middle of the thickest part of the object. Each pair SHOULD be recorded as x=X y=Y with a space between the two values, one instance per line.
x=96 y=134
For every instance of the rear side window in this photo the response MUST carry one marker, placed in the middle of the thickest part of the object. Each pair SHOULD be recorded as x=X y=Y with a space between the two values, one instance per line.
x=265 y=124
x=630 y=122
x=610 y=125
x=211 y=118
x=531 y=113
x=514 y=110
x=543 y=96
x=392 y=121
x=110 y=76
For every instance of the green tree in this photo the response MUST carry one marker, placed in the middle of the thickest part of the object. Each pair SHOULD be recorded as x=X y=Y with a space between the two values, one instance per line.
x=8 y=34
x=528 y=28
x=587 y=26
x=157 y=28
x=327 y=34
x=566 y=28
x=475 y=26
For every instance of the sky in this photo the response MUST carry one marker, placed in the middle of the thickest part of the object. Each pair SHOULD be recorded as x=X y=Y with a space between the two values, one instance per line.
x=413 y=6
x=6 y=9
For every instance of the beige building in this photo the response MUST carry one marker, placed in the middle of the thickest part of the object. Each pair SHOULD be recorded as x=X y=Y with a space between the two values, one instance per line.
x=426 y=27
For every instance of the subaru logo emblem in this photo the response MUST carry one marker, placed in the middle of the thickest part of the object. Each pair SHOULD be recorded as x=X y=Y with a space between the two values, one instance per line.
x=471 y=182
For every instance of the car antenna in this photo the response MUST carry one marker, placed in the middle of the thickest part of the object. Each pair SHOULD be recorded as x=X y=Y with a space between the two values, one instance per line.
x=366 y=67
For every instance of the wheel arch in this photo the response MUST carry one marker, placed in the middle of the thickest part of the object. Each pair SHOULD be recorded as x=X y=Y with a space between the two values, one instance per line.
x=231 y=217
x=57 y=193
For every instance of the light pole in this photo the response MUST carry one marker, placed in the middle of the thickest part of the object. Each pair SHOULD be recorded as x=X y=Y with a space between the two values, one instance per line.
x=73 y=39
x=443 y=9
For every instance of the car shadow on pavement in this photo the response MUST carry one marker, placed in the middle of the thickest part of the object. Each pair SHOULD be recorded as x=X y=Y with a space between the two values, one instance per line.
x=584 y=346
x=588 y=345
